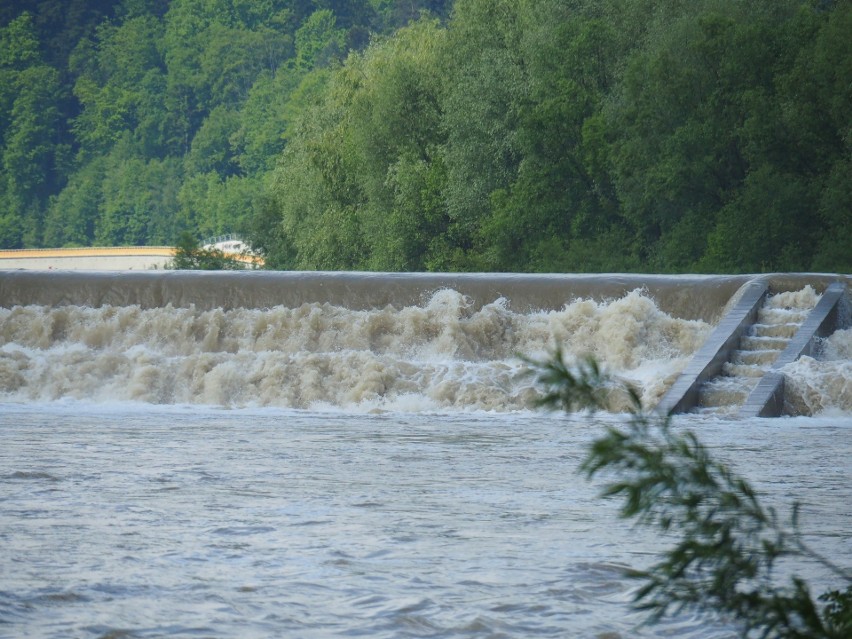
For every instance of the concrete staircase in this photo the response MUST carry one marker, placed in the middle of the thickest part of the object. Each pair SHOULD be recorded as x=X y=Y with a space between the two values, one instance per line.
x=736 y=371
x=759 y=348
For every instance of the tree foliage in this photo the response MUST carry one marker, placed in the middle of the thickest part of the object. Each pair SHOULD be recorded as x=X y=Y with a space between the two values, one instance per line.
x=661 y=136
x=531 y=135
x=727 y=543
x=190 y=256
x=113 y=115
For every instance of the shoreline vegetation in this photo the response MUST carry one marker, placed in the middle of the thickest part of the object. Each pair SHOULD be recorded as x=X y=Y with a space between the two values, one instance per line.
x=432 y=135
x=727 y=544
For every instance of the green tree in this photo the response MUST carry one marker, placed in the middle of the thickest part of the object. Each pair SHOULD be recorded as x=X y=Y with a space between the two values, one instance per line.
x=708 y=132
x=316 y=192
x=835 y=206
x=481 y=110
x=190 y=256
x=33 y=155
x=360 y=180
x=187 y=25
x=120 y=83
x=392 y=15
x=73 y=213
x=534 y=135
x=560 y=200
x=273 y=103
x=769 y=225
x=816 y=98
x=233 y=57
x=318 y=40
x=212 y=148
x=140 y=198
x=215 y=206
x=395 y=141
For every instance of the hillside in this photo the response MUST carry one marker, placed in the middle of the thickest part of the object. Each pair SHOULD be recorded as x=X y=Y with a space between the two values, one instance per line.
x=480 y=135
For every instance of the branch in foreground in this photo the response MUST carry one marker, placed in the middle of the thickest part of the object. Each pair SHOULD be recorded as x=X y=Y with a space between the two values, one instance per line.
x=727 y=543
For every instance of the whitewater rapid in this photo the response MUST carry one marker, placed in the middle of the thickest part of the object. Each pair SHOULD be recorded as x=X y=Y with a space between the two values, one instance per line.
x=368 y=342
x=444 y=354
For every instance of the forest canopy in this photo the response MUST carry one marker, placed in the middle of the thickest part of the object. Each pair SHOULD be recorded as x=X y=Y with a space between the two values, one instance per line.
x=475 y=135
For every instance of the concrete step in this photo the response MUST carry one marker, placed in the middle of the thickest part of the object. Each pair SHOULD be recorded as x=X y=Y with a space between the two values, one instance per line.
x=770 y=315
x=756 y=343
x=729 y=392
x=744 y=370
x=767 y=399
x=786 y=330
x=759 y=358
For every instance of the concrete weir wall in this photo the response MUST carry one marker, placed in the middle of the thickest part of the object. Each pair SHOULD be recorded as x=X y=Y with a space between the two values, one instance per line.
x=767 y=399
x=701 y=297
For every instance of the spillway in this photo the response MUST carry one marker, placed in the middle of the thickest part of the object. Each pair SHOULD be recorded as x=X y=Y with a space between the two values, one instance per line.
x=350 y=341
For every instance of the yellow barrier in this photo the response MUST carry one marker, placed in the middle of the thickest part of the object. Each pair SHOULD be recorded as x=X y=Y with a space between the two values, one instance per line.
x=107 y=251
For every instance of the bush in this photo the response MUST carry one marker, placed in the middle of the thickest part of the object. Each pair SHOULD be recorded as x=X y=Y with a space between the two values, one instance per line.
x=190 y=256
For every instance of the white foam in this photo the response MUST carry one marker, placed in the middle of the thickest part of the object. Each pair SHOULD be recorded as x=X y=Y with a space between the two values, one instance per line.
x=445 y=354
x=813 y=387
x=822 y=385
x=803 y=299
x=837 y=346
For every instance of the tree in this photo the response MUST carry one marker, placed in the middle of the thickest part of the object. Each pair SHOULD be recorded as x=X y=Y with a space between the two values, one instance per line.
x=32 y=154
x=728 y=543
x=707 y=122
x=359 y=184
x=212 y=148
x=816 y=98
x=73 y=214
x=522 y=135
x=140 y=200
x=487 y=82
x=213 y=205
x=318 y=40
x=769 y=225
x=189 y=256
x=394 y=143
x=273 y=103
x=120 y=85
x=560 y=201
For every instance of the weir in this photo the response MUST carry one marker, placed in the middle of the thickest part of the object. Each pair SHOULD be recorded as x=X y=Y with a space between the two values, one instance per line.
x=386 y=341
x=707 y=363
x=684 y=296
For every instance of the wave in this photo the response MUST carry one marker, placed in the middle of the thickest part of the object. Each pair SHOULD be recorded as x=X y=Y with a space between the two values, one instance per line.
x=823 y=384
x=449 y=353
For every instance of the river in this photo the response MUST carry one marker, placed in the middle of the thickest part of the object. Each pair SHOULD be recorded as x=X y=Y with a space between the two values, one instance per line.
x=317 y=469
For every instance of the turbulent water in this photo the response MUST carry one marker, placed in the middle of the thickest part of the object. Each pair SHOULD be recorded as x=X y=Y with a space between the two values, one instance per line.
x=823 y=384
x=443 y=354
x=447 y=353
x=340 y=464
x=820 y=384
x=817 y=384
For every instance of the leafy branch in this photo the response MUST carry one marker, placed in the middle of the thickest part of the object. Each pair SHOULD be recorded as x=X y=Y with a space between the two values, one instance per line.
x=190 y=256
x=727 y=543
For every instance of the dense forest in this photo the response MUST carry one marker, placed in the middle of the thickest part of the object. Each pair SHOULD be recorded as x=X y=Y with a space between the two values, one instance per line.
x=475 y=135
